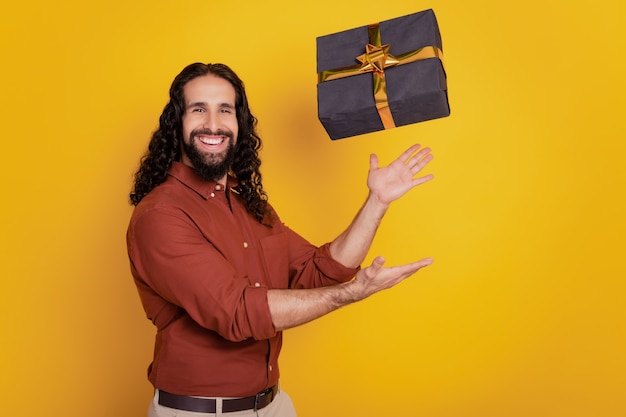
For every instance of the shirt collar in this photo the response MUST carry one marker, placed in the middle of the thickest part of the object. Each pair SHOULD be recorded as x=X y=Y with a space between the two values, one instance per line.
x=188 y=176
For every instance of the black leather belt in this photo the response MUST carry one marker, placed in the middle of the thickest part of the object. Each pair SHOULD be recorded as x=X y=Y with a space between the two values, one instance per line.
x=208 y=405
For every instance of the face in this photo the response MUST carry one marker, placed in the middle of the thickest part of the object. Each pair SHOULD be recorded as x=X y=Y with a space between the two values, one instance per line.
x=209 y=126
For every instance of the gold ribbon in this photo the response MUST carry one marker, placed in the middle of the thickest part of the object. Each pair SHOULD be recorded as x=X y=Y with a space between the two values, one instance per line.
x=375 y=60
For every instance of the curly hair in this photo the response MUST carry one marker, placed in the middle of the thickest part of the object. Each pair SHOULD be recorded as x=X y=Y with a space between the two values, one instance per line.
x=165 y=145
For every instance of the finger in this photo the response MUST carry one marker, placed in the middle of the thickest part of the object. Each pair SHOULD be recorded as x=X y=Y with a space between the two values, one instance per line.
x=378 y=263
x=425 y=262
x=419 y=166
x=410 y=269
x=373 y=162
x=420 y=159
x=376 y=266
x=420 y=264
x=406 y=155
x=422 y=180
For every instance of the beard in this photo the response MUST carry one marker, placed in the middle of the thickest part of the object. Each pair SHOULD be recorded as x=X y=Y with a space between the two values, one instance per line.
x=210 y=166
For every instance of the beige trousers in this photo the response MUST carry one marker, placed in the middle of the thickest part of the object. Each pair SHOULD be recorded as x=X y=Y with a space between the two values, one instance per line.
x=280 y=407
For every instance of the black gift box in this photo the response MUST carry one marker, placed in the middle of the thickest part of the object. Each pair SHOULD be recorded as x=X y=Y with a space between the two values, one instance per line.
x=415 y=91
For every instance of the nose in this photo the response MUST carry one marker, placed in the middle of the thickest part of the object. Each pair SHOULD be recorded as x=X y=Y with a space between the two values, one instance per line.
x=211 y=121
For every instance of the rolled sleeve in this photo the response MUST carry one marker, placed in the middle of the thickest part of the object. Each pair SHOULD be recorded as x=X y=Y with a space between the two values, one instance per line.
x=330 y=267
x=312 y=267
x=258 y=313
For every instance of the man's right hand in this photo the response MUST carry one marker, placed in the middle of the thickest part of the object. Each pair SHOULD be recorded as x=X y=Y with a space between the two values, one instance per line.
x=293 y=307
x=376 y=278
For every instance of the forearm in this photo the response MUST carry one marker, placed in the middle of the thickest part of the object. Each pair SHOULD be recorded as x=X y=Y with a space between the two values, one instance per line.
x=386 y=184
x=291 y=308
x=351 y=246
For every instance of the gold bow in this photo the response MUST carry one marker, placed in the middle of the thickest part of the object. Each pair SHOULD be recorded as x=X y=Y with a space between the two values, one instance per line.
x=375 y=60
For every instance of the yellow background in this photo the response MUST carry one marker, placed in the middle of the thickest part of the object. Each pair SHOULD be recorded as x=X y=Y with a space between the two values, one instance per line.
x=522 y=313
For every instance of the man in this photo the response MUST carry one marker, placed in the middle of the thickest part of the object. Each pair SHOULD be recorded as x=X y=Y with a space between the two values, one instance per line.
x=218 y=273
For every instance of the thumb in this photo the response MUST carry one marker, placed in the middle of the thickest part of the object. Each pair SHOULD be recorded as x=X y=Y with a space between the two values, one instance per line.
x=377 y=264
x=373 y=161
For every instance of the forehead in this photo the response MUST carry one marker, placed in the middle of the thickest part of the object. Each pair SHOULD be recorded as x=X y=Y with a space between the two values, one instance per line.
x=209 y=89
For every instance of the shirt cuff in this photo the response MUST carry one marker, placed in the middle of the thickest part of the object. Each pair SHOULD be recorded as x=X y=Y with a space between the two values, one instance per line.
x=258 y=311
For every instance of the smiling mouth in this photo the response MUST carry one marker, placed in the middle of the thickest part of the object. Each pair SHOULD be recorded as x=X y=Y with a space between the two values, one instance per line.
x=211 y=140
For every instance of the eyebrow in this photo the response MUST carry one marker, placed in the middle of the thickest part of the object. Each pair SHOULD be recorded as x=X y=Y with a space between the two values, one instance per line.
x=204 y=104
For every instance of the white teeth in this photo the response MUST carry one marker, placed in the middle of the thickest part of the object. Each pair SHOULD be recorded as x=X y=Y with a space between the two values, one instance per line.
x=211 y=141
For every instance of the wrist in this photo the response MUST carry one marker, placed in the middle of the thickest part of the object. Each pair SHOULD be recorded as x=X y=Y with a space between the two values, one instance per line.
x=377 y=203
x=349 y=292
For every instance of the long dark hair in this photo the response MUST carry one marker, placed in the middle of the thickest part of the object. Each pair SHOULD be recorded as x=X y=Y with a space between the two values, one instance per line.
x=165 y=144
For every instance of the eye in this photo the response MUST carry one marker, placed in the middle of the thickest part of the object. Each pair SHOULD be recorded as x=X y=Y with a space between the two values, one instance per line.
x=197 y=110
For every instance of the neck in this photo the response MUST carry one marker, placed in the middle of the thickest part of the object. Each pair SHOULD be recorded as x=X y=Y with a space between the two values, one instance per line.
x=223 y=180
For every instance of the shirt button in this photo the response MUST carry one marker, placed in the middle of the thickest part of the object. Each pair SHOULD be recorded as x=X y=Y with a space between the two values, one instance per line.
x=245 y=244
x=212 y=194
x=271 y=369
x=218 y=187
x=256 y=284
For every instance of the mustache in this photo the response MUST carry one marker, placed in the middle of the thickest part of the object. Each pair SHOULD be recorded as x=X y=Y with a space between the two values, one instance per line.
x=209 y=132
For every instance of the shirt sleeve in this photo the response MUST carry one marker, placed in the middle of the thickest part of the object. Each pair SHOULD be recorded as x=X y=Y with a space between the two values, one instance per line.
x=172 y=261
x=312 y=267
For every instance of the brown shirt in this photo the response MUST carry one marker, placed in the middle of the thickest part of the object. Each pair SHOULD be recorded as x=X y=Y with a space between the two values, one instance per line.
x=202 y=265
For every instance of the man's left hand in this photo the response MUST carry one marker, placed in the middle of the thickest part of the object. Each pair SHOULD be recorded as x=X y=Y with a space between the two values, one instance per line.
x=393 y=181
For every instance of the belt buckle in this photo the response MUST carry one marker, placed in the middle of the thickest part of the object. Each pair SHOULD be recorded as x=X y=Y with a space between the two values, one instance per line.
x=261 y=395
